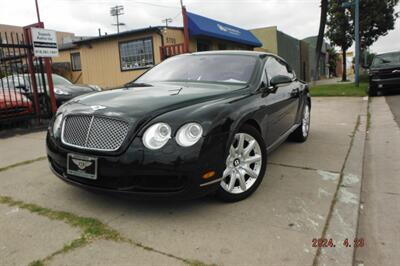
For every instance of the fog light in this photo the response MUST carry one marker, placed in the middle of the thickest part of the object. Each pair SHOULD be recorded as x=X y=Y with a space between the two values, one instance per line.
x=208 y=175
x=380 y=86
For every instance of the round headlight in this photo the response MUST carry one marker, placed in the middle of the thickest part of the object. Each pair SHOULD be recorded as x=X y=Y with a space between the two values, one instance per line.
x=156 y=136
x=57 y=123
x=189 y=134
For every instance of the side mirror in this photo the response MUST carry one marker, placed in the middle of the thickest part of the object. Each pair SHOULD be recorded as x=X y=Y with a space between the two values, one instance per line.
x=264 y=88
x=280 y=80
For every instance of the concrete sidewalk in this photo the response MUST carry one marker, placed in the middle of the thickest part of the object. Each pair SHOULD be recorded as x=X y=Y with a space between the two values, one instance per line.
x=275 y=226
x=379 y=224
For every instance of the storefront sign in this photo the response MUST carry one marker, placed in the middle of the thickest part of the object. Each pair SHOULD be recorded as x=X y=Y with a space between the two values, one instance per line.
x=44 y=42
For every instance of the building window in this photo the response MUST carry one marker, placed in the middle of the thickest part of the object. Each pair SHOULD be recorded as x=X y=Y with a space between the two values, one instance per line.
x=136 y=54
x=221 y=46
x=203 y=45
x=76 y=61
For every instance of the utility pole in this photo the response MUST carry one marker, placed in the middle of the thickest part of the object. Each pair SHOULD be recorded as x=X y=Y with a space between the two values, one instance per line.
x=117 y=11
x=356 y=5
x=357 y=29
x=166 y=21
x=37 y=11
x=185 y=28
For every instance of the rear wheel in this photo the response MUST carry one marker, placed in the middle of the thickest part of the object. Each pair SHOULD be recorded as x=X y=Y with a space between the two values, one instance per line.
x=245 y=165
x=301 y=133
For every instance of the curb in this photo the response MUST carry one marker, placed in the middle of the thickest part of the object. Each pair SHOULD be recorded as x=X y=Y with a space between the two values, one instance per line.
x=344 y=217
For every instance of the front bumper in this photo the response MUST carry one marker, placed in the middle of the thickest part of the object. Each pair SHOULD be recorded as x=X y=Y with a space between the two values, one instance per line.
x=385 y=83
x=172 y=171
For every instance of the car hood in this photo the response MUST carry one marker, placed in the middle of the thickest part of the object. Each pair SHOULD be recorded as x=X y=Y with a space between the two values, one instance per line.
x=144 y=103
x=74 y=88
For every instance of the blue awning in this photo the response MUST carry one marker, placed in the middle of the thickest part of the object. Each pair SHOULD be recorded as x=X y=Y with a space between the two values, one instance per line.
x=202 y=26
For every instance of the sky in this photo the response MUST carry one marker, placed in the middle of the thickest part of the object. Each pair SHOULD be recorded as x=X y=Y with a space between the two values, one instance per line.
x=299 y=18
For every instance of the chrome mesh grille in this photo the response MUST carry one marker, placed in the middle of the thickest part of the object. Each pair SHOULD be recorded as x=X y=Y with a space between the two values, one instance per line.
x=94 y=132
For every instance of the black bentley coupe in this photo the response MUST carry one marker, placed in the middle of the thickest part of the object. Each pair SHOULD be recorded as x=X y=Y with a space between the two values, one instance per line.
x=193 y=125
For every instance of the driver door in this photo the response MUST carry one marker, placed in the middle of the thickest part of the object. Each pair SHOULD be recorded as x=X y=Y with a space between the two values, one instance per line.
x=282 y=103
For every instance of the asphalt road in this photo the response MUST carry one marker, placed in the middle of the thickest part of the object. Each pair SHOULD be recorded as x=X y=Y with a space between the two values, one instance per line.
x=394 y=104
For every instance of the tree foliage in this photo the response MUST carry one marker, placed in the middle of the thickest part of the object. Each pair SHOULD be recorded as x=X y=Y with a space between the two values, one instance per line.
x=340 y=30
x=377 y=19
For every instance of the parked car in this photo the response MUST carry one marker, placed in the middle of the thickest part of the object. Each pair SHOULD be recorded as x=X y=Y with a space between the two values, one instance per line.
x=13 y=104
x=384 y=74
x=64 y=90
x=193 y=125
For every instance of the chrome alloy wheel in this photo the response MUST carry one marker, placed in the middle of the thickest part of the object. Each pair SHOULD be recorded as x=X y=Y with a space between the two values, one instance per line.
x=306 y=121
x=243 y=164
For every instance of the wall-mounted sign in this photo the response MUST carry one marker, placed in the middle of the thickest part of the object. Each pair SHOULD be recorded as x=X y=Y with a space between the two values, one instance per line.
x=44 y=42
x=228 y=29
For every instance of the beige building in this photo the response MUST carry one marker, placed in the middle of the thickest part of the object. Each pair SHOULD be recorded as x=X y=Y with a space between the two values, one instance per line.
x=113 y=60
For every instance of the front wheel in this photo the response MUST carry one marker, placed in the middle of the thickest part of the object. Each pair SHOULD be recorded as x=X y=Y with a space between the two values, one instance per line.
x=245 y=165
x=372 y=91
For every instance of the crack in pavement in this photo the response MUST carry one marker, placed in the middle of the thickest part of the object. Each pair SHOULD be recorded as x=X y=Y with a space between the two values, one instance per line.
x=92 y=230
x=335 y=196
x=302 y=167
x=5 y=168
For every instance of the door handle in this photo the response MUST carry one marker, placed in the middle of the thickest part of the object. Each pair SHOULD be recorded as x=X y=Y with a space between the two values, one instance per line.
x=295 y=92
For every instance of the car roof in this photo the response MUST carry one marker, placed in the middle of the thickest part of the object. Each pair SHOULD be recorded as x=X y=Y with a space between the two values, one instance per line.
x=258 y=54
x=390 y=53
x=231 y=52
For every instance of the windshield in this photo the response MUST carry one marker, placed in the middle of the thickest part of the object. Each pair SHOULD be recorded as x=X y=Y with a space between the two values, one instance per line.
x=12 y=82
x=58 y=80
x=386 y=60
x=203 y=68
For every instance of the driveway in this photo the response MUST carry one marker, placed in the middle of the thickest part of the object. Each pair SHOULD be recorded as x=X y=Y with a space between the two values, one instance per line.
x=41 y=218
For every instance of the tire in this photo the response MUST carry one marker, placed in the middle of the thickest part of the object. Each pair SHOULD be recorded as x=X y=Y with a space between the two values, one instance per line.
x=301 y=133
x=248 y=175
x=372 y=92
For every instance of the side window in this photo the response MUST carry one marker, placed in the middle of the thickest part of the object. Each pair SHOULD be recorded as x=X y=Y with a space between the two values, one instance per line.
x=275 y=68
x=287 y=71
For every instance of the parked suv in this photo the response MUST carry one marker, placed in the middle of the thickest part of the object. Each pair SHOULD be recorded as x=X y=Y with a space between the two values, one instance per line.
x=384 y=73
